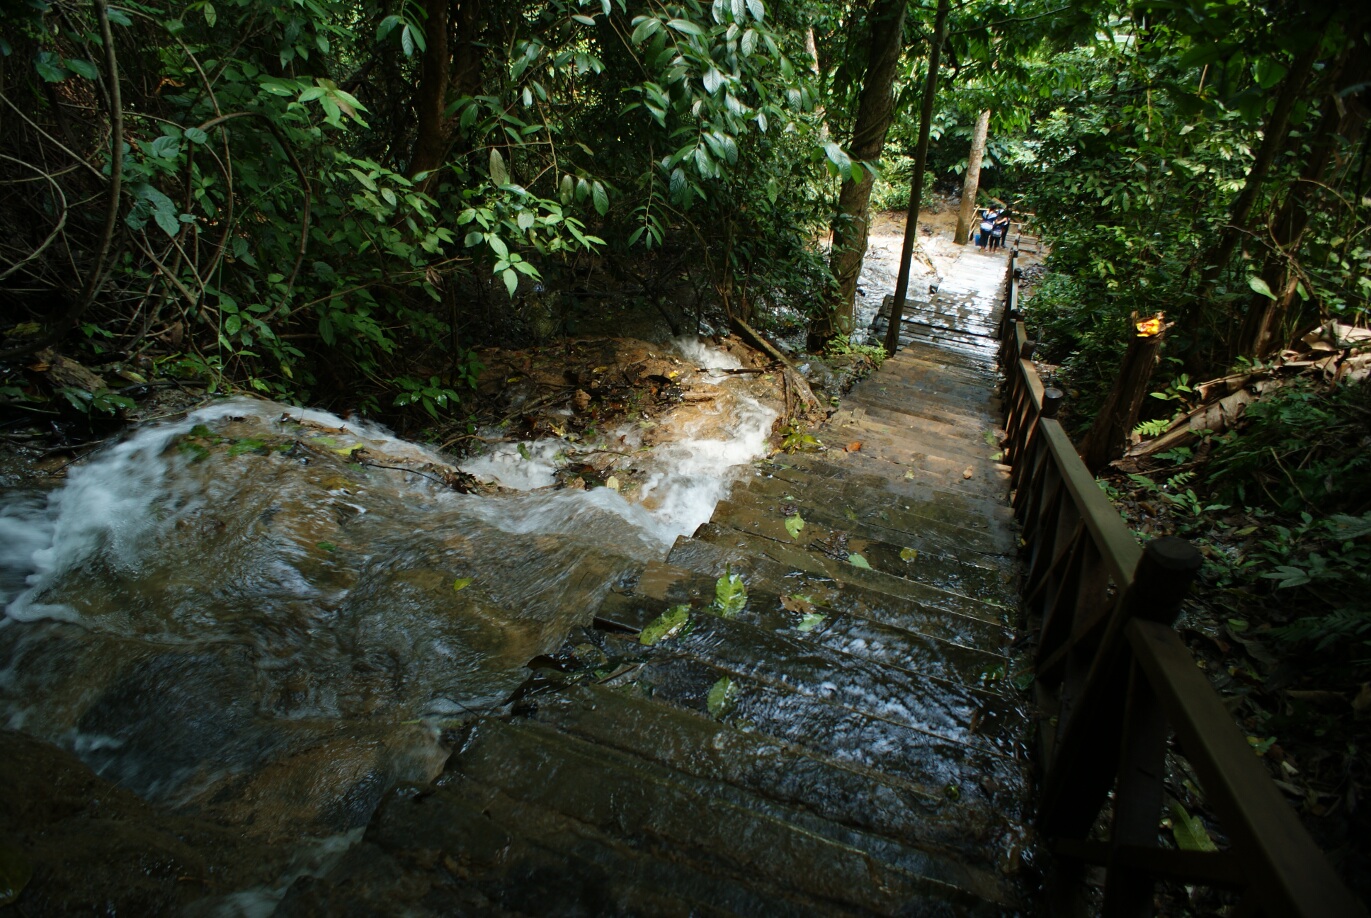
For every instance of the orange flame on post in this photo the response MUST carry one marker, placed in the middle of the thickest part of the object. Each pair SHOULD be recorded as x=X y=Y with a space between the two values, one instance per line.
x=1149 y=327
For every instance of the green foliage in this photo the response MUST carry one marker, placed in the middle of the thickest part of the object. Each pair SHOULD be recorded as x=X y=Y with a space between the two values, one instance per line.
x=795 y=437
x=843 y=346
x=671 y=622
x=722 y=698
x=730 y=595
x=1302 y=447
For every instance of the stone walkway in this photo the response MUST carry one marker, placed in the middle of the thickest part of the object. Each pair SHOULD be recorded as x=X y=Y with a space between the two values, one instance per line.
x=842 y=740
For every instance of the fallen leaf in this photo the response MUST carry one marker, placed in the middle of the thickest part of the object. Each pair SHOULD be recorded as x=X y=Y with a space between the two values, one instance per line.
x=461 y=583
x=809 y=621
x=797 y=603
x=857 y=560
x=909 y=554
x=794 y=524
x=854 y=446
x=969 y=472
x=1190 y=833
x=612 y=483
x=723 y=695
x=666 y=624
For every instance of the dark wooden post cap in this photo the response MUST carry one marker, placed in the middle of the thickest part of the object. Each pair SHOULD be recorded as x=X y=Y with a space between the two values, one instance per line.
x=1052 y=401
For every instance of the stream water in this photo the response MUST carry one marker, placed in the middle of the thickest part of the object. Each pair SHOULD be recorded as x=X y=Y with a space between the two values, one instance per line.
x=265 y=617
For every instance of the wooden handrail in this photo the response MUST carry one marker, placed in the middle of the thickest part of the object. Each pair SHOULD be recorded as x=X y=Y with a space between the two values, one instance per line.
x=1120 y=681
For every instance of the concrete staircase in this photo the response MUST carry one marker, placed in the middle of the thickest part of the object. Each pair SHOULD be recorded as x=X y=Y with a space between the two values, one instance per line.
x=846 y=741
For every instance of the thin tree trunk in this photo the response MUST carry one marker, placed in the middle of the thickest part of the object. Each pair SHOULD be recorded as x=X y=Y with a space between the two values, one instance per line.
x=973 y=179
x=916 y=184
x=1343 y=119
x=875 y=110
x=1274 y=138
x=431 y=139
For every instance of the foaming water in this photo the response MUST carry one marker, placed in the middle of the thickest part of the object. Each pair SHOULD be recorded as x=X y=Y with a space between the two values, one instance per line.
x=259 y=615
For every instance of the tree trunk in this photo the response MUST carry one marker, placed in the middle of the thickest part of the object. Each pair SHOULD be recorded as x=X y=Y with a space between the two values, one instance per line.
x=1274 y=138
x=916 y=183
x=432 y=131
x=451 y=69
x=1343 y=120
x=875 y=110
x=1108 y=436
x=973 y=179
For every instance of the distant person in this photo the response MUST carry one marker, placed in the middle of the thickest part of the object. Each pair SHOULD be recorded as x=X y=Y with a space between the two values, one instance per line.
x=999 y=229
x=984 y=230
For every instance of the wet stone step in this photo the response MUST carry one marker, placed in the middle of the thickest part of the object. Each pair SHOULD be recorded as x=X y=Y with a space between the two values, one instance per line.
x=889 y=521
x=946 y=313
x=953 y=367
x=893 y=521
x=848 y=572
x=950 y=711
x=849 y=599
x=918 y=439
x=898 y=559
x=986 y=788
x=698 y=824
x=975 y=406
x=798 y=619
x=978 y=356
x=979 y=477
x=938 y=320
x=919 y=378
x=707 y=748
x=913 y=429
x=901 y=494
x=527 y=858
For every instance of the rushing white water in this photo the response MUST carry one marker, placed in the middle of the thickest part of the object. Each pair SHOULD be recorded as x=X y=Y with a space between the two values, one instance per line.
x=268 y=615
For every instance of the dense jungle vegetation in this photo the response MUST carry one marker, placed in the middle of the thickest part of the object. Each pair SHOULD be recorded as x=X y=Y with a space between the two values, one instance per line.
x=337 y=202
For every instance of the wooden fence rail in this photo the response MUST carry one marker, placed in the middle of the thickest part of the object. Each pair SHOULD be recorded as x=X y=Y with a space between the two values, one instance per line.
x=1115 y=681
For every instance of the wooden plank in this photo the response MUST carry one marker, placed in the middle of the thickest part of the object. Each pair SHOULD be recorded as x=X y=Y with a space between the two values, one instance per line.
x=1119 y=550
x=1284 y=863
x=1213 y=868
x=1129 y=889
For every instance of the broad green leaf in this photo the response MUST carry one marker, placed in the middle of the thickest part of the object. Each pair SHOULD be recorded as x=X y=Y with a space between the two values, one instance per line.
x=686 y=26
x=461 y=583
x=511 y=279
x=83 y=68
x=794 y=524
x=328 y=546
x=1189 y=831
x=1260 y=286
x=49 y=67
x=601 y=198
x=195 y=135
x=211 y=16
x=498 y=174
x=730 y=595
x=857 y=560
x=722 y=698
x=166 y=147
x=668 y=623
x=810 y=620
x=167 y=221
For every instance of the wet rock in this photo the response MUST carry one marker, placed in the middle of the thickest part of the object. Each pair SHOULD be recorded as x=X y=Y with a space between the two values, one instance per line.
x=96 y=848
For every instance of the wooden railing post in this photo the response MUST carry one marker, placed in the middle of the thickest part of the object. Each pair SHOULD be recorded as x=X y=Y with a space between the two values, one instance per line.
x=1108 y=436
x=1091 y=726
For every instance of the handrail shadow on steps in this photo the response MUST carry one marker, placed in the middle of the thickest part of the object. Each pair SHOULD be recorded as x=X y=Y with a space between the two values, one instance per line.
x=1120 y=680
